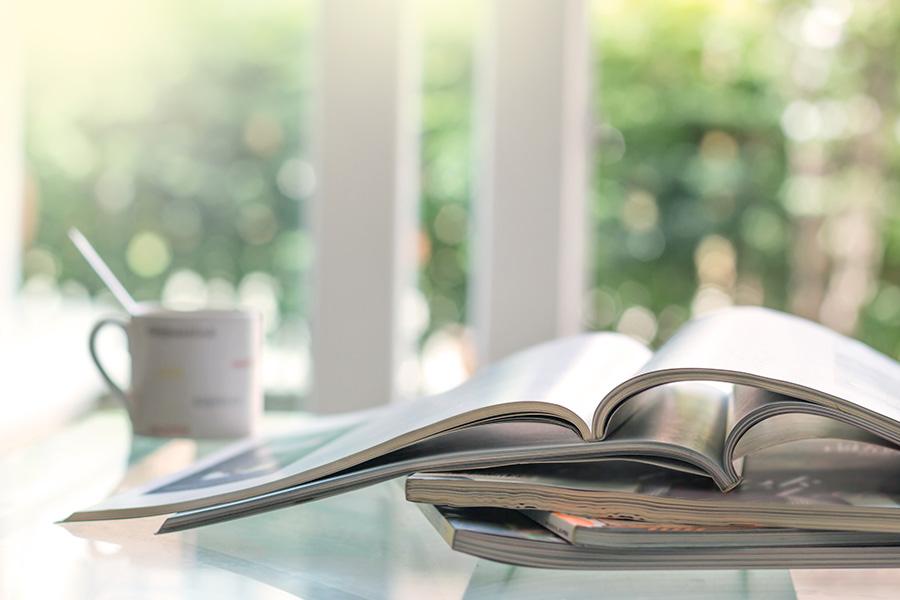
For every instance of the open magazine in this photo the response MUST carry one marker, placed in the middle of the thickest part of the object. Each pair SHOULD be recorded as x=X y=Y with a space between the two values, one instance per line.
x=725 y=386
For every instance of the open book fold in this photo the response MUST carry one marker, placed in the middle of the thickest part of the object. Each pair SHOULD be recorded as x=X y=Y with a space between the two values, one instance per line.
x=725 y=386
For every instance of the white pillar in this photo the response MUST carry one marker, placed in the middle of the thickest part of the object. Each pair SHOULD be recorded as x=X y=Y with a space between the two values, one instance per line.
x=12 y=165
x=364 y=216
x=530 y=220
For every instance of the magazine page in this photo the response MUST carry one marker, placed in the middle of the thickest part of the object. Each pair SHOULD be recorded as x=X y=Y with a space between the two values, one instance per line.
x=682 y=430
x=783 y=353
x=560 y=381
x=563 y=379
x=245 y=463
x=510 y=443
x=764 y=419
x=685 y=420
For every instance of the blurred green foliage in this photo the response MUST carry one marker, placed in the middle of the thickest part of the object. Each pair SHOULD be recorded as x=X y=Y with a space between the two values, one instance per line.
x=190 y=159
x=447 y=89
x=748 y=153
x=745 y=152
x=689 y=146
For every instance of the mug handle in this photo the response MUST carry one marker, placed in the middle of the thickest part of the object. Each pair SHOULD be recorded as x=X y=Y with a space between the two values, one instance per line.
x=92 y=344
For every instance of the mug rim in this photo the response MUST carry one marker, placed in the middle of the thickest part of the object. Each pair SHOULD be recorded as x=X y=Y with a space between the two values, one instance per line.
x=161 y=312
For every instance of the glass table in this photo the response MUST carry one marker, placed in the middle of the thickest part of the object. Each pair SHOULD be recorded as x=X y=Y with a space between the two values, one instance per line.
x=368 y=544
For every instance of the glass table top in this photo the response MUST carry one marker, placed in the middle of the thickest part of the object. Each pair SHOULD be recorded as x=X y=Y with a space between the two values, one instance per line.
x=368 y=544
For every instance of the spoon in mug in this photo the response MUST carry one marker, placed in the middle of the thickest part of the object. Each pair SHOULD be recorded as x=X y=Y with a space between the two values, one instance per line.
x=102 y=271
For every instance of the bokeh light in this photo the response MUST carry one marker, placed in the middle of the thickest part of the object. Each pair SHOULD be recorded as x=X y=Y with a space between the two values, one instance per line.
x=185 y=290
x=148 y=254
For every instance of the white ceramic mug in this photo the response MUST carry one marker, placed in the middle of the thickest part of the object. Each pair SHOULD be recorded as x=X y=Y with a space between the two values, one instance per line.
x=193 y=374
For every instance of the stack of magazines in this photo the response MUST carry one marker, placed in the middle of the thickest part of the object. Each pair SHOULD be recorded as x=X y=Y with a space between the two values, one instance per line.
x=751 y=438
x=822 y=503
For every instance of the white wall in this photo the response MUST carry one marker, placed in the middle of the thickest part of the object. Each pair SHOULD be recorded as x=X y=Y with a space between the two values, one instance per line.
x=529 y=258
x=364 y=216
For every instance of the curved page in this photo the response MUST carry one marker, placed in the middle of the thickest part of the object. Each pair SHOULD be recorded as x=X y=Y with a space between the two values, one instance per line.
x=765 y=419
x=779 y=352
